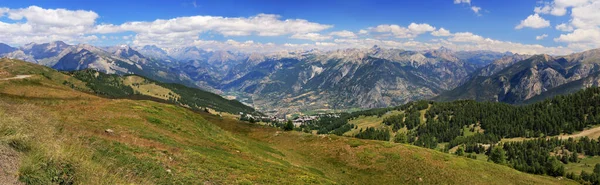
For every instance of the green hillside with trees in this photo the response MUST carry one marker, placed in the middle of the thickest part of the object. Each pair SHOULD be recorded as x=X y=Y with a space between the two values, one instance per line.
x=471 y=128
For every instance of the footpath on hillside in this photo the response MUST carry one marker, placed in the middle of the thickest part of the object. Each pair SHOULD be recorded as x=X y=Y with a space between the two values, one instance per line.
x=16 y=77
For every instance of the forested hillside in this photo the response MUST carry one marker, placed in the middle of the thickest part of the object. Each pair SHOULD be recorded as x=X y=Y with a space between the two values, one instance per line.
x=476 y=127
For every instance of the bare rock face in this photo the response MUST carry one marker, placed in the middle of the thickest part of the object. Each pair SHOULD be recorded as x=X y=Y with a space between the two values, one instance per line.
x=500 y=64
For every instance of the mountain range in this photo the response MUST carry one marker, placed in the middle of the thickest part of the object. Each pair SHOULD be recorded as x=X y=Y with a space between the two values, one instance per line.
x=522 y=79
x=299 y=81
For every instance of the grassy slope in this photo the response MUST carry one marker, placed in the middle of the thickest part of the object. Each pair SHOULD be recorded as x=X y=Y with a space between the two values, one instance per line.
x=61 y=136
x=124 y=87
x=585 y=164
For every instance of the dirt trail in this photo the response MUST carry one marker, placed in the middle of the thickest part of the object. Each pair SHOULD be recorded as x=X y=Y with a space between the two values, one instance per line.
x=592 y=133
x=16 y=77
x=9 y=166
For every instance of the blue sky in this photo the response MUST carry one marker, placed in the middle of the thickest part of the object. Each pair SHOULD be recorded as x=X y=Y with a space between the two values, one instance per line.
x=308 y=24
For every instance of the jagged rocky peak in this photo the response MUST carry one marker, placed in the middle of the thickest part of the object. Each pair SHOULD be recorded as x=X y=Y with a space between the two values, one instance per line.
x=543 y=57
x=220 y=57
x=375 y=49
x=126 y=52
x=443 y=53
x=348 y=55
x=44 y=50
x=590 y=56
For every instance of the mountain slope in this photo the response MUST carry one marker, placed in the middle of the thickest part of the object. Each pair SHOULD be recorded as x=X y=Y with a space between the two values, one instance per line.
x=344 y=79
x=528 y=78
x=135 y=87
x=62 y=136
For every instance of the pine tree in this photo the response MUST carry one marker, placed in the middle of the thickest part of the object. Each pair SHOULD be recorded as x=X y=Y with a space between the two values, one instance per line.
x=460 y=151
x=498 y=155
x=288 y=126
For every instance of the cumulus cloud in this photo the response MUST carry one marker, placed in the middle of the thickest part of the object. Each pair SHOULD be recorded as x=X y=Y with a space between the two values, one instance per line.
x=343 y=33
x=310 y=36
x=559 y=7
x=533 y=21
x=441 y=33
x=413 y=30
x=35 y=24
x=261 y=25
x=187 y=29
x=564 y=27
x=53 y=17
x=584 y=25
x=581 y=39
x=470 y=41
x=541 y=37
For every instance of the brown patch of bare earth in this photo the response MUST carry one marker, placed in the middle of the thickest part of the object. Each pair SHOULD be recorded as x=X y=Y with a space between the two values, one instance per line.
x=9 y=166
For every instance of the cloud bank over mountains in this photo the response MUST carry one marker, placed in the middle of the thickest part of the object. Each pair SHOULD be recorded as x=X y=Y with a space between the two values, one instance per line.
x=37 y=24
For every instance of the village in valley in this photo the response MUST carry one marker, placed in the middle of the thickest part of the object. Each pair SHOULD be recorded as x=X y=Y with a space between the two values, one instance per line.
x=296 y=120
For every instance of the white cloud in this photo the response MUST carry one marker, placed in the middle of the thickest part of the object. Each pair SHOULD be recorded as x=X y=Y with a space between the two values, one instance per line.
x=183 y=30
x=533 y=21
x=420 y=28
x=328 y=44
x=35 y=24
x=580 y=35
x=584 y=25
x=581 y=39
x=564 y=27
x=441 y=33
x=262 y=25
x=476 y=9
x=559 y=7
x=310 y=36
x=343 y=33
x=462 y=1
x=470 y=41
x=53 y=17
x=541 y=37
x=413 y=30
x=586 y=15
x=466 y=37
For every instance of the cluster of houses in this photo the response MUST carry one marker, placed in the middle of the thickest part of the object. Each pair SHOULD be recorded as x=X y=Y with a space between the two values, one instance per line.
x=300 y=120
x=271 y=119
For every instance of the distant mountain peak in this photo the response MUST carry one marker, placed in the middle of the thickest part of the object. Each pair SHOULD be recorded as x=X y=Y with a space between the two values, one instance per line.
x=543 y=57
x=444 y=49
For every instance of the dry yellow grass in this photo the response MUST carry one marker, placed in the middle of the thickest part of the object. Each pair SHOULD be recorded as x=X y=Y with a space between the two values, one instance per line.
x=140 y=86
x=592 y=133
x=364 y=122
